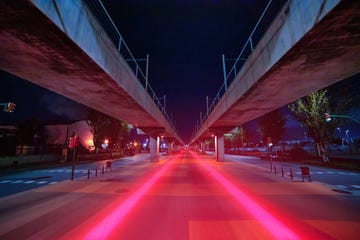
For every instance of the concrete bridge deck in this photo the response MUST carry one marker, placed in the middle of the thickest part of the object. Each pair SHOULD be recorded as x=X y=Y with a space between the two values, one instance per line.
x=310 y=45
x=60 y=45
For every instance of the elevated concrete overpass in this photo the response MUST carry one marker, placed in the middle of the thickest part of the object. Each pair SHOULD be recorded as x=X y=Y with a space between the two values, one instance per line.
x=61 y=46
x=309 y=45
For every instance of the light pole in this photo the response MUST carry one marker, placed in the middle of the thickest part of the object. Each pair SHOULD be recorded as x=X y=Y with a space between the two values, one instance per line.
x=328 y=117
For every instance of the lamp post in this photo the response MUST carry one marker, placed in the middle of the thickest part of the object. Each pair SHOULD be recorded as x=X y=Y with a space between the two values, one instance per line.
x=328 y=117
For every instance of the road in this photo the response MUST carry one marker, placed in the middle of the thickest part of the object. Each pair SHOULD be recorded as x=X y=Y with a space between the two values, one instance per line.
x=23 y=179
x=339 y=180
x=183 y=196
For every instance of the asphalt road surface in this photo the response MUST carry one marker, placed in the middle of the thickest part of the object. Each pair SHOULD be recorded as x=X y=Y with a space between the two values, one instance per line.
x=339 y=180
x=18 y=180
x=183 y=196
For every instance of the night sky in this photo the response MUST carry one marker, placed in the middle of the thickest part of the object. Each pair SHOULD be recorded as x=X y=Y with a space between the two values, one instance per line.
x=185 y=41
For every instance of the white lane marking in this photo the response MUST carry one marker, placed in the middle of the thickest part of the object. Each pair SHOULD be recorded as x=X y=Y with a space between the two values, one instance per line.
x=5 y=181
x=42 y=182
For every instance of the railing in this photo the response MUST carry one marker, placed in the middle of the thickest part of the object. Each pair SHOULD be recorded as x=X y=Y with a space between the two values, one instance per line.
x=268 y=15
x=100 y=13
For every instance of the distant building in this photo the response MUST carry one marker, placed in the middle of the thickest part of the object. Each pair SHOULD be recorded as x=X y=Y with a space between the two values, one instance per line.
x=60 y=133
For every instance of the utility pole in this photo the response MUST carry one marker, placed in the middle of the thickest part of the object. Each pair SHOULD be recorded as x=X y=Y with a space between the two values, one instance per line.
x=224 y=71
x=147 y=72
x=207 y=105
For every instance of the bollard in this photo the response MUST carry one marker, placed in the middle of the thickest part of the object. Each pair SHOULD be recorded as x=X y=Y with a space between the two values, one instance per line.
x=282 y=171
x=274 y=169
x=96 y=172
x=102 y=170
x=88 y=173
x=291 y=174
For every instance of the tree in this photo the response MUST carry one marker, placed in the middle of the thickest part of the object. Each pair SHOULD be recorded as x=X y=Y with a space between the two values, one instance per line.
x=238 y=137
x=31 y=132
x=310 y=112
x=106 y=127
x=272 y=125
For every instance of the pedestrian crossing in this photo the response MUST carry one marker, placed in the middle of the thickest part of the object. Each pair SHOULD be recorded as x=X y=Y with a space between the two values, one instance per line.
x=332 y=172
x=10 y=181
x=60 y=171
x=33 y=181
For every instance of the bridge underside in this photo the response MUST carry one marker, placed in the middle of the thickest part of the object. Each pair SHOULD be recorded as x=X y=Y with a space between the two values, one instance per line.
x=329 y=53
x=34 y=48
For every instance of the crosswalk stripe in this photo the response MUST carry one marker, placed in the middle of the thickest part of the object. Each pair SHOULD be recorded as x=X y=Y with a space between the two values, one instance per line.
x=27 y=182
x=5 y=181
x=355 y=186
x=18 y=181
x=42 y=182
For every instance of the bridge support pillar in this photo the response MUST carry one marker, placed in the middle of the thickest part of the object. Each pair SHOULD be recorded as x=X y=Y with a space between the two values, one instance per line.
x=154 y=149
x=171 y=148
x=202 y=147
x=219 y=148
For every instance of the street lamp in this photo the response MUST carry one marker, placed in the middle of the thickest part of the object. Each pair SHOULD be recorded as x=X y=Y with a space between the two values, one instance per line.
x=328 y=117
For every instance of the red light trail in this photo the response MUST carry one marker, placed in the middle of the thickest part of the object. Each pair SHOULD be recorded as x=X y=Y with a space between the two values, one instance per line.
x=112 y=221
x=106 y=226
x=276 y=228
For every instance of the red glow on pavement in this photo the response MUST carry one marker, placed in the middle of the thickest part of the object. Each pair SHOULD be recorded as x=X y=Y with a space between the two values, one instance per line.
x=105 y=227
x=276 y=228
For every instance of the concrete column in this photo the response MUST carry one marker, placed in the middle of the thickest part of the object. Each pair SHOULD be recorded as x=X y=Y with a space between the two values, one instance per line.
x=202 y=147
x=219 y=149
x=154 y=149
x=216 y=148
x=171 y=148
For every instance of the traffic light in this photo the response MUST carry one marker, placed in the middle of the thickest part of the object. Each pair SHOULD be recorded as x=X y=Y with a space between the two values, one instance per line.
x=71 y=142
x=269 y=142
x=327 y=117
x=10 y=107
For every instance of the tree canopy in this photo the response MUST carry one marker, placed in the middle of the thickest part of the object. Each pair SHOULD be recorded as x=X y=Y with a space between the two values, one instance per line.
x=310 y=112
x=106 y=127
x=272 y=125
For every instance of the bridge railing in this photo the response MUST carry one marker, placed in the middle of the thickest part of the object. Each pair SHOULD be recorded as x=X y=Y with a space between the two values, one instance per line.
x=100 y=13
x=268 y=15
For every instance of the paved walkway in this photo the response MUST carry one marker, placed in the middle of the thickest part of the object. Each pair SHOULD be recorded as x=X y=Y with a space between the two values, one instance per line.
x=185 y=196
